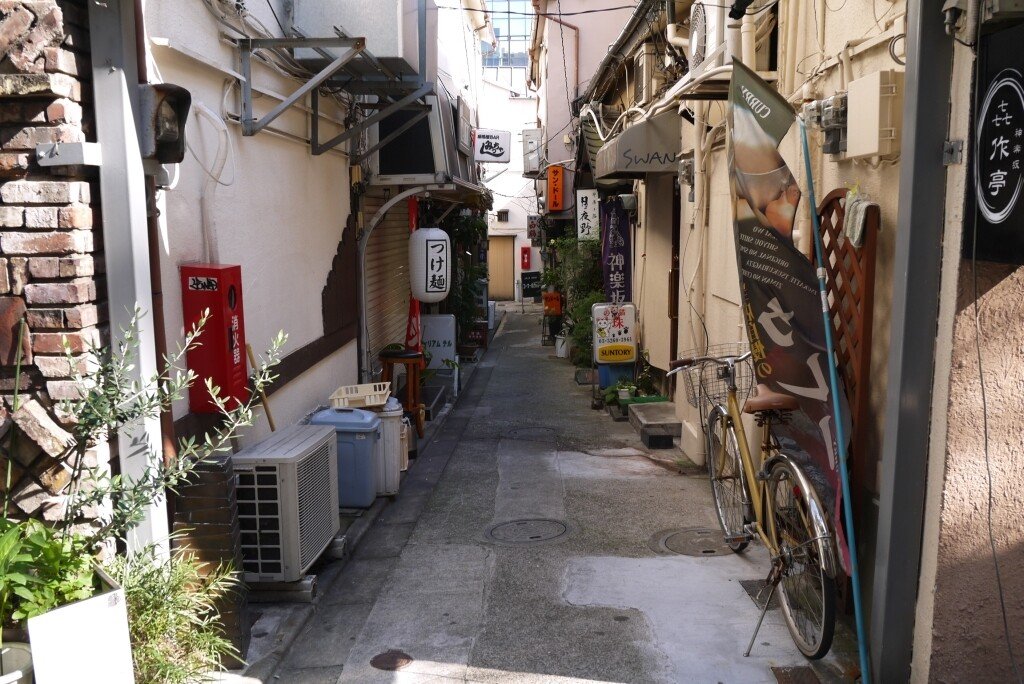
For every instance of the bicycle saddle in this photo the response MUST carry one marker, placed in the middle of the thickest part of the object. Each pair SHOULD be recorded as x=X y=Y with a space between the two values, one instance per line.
x=767 y=400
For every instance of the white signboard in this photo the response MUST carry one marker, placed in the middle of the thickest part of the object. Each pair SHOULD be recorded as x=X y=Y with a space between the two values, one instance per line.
x=614 y=333
x=439 y=339
x=492 y=146
x=587 y=215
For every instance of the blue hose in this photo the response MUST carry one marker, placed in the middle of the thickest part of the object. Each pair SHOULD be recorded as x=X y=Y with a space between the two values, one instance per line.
x=858 y=608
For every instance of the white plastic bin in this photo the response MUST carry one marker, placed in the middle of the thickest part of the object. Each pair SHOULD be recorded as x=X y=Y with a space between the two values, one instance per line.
x=388 y=457
x=406 y=433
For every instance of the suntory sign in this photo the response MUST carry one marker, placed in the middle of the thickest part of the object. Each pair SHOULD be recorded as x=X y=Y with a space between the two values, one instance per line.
x=614 y=333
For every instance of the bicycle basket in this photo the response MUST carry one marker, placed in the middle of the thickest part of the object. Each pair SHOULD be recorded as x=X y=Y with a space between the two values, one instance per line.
x=705 y=382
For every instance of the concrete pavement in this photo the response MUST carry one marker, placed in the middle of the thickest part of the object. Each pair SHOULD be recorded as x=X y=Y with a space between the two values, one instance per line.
x=450 y=579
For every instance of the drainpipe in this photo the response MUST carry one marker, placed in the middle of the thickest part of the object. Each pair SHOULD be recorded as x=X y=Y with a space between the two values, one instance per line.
x=748 y=41
x=792 y=26
x=576 y=57
x=672 y=28
x=167 y=436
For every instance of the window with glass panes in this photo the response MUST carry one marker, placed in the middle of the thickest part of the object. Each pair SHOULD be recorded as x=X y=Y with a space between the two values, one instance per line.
x=507 y=60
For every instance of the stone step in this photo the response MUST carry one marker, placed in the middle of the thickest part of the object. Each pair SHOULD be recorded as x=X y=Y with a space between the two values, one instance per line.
x=658 y=414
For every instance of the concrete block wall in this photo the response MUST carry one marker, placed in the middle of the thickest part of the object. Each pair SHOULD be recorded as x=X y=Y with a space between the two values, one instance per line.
x=50 y=249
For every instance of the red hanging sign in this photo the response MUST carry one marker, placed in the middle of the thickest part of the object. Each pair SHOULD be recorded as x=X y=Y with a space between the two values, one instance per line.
x=524 y=258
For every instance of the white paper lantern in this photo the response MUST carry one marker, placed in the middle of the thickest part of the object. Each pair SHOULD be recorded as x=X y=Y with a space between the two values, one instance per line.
x=430 y=264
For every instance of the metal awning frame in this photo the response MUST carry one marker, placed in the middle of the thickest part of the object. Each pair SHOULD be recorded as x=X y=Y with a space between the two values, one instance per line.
x=252 y=126
x=392 y=91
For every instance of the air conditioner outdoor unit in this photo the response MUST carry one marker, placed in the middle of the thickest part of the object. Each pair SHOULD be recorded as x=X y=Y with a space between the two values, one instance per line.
x=707 y=34
x=647 y=78
x=287 y=501
x=533 y=146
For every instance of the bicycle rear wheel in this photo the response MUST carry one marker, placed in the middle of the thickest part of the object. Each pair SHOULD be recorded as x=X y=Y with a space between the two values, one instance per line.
x=728 y=483
x=807 y=592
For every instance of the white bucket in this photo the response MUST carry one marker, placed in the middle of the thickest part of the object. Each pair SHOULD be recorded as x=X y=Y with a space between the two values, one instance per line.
x=561 y=347
x=15 y=664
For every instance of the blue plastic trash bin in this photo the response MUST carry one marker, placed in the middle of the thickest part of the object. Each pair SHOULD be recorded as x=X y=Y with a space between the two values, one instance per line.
x=358 y=434
x=610 y=373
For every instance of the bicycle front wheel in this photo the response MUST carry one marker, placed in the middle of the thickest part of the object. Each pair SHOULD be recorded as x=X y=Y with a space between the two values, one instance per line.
x=807 y=592
x=728 y=483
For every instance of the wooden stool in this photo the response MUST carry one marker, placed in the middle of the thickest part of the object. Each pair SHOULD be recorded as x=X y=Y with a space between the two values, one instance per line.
x=413 y=362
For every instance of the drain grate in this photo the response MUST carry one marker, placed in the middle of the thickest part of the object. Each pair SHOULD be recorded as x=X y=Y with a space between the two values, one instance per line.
x=758 y=592
x=690 y=541
x=800 y=674
x=527 y=531
x=391 y=660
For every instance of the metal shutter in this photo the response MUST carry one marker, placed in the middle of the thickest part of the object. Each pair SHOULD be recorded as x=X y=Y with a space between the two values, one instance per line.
x=387 y=276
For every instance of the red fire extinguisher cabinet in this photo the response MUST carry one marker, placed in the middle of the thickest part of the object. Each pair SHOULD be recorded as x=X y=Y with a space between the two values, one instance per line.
x=220 y=355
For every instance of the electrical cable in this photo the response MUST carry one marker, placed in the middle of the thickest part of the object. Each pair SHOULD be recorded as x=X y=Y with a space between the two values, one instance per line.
x=892 y=48
x=543 y=14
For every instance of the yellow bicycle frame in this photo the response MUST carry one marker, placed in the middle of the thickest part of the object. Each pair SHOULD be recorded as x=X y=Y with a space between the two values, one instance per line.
x=756 y=487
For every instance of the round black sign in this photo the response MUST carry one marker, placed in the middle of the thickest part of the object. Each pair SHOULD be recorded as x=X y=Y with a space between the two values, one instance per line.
x=999 y=147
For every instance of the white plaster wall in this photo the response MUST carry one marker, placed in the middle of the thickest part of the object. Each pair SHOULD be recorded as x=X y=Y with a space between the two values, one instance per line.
x=653 y=259
x=282 y=217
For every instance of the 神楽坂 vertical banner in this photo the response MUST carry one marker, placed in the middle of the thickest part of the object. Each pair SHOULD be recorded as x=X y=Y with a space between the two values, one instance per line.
x=781 y=302
x=616 y=261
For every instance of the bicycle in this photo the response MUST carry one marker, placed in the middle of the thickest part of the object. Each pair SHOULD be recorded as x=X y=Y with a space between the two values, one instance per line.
x=782 y=509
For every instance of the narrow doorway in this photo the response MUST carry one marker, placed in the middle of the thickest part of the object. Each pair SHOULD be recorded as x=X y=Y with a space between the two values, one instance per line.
x=501 y=267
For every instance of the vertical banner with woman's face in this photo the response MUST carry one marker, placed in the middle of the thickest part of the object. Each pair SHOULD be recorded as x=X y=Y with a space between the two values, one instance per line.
x=781 y=302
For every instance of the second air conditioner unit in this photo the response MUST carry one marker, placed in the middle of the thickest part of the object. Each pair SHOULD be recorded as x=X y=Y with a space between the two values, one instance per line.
x=647 y=77
x=287 y=501
x=533 y=147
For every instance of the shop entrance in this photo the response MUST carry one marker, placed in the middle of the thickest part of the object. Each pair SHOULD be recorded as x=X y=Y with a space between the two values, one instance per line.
x=501 y=267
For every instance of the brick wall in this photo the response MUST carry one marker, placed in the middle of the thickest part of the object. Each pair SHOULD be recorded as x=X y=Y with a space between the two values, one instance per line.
x=50 y=260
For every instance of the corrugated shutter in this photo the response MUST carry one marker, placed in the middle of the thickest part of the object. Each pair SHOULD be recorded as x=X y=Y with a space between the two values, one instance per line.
x=387 y=276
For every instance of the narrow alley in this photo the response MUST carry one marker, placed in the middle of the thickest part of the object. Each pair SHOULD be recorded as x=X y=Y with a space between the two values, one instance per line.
x=444 y=578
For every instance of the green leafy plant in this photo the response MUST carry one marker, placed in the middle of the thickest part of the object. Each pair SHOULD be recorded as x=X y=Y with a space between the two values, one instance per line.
x=173 y=619
x=611 y=394
x=461 y=300
x=45 y=566
x=580 y=326
x=114 y=400
x=645 y=380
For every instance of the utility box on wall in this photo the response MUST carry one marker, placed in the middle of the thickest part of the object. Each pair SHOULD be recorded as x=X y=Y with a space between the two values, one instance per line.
x=221 y=354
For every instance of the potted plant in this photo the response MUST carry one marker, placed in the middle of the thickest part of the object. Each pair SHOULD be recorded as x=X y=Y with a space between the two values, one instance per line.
x=50 y=576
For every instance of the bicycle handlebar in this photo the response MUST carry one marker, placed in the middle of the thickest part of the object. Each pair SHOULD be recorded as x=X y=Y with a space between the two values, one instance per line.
x=679 y=364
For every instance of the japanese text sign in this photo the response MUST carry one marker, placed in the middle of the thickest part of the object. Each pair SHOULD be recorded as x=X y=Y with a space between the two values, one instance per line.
x=556 y=188
x=587 y=215
x=533 y=227
x=616 y=260
x=439 y=339
x=492 y=146
x=997 y=152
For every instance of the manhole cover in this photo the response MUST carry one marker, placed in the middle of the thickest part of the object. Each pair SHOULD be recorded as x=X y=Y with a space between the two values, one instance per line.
x=690 y=541
x=391 y=660
x=528 y=531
